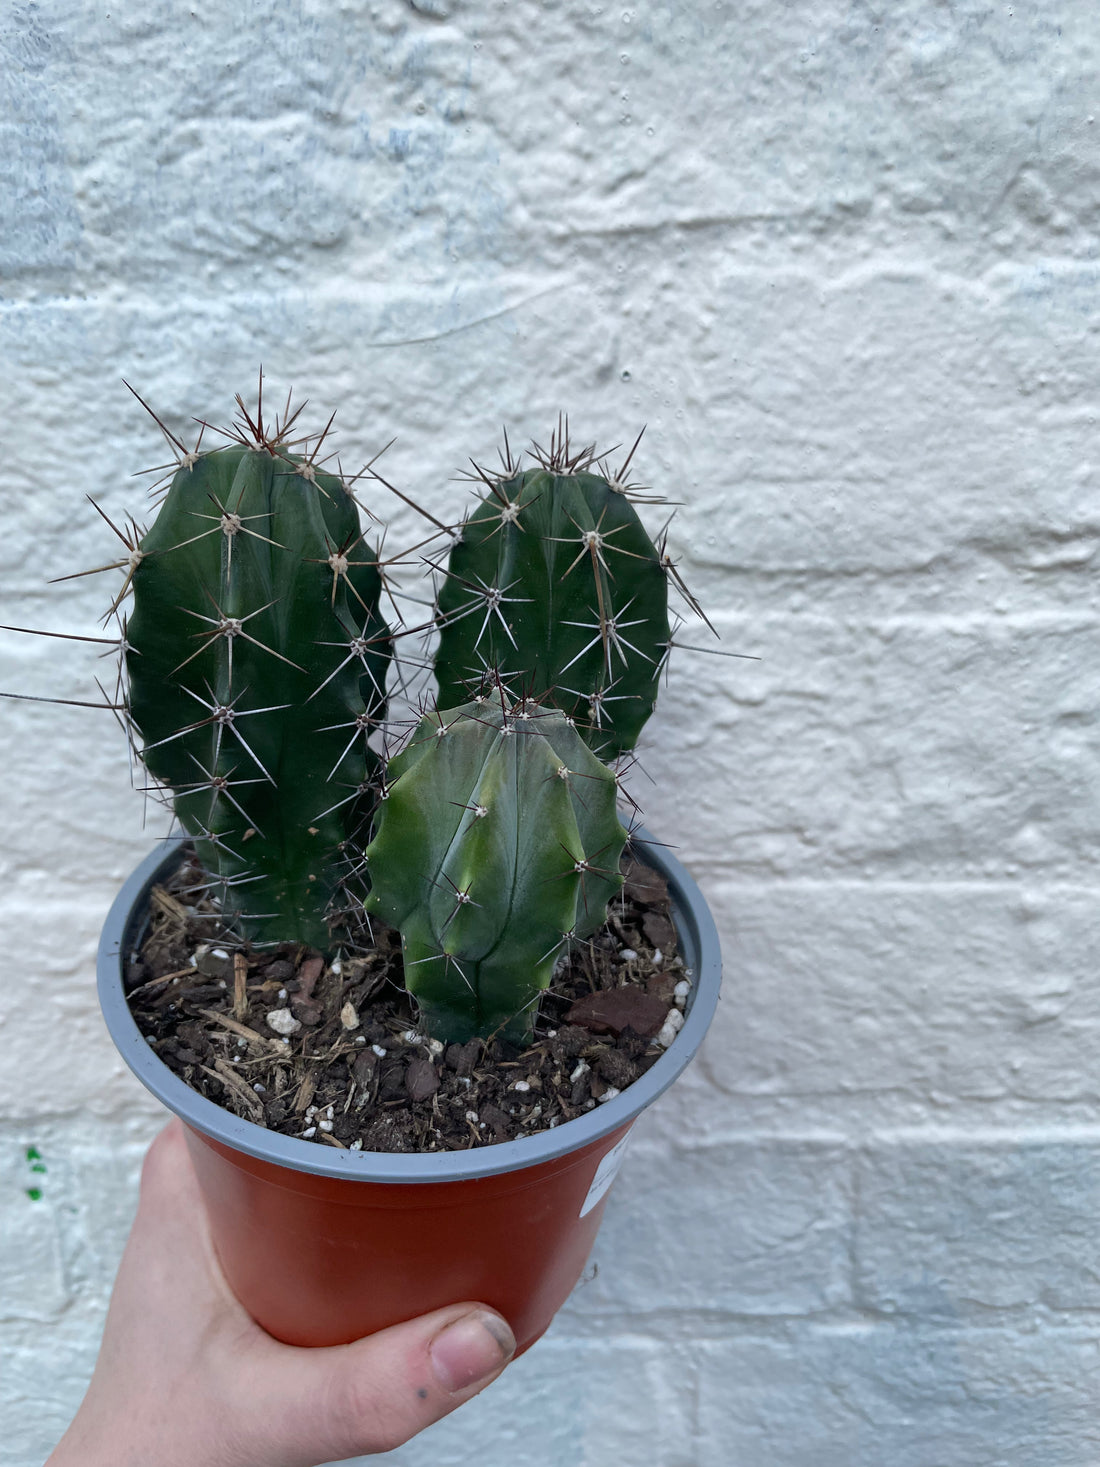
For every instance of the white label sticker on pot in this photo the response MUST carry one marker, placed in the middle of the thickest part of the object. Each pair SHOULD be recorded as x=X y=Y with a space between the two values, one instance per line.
x=605 y=1175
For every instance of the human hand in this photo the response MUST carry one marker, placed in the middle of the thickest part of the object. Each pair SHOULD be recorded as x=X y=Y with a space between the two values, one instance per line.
x=185 y=1378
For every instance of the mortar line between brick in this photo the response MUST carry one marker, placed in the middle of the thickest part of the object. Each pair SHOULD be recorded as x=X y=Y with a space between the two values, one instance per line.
x=860 y=1142
x=1054 y=617
x=1000 y=278
x=713 y=873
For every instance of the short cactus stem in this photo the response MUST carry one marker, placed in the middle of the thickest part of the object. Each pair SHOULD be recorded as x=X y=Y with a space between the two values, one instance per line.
x=497 y=844
x=556 y=587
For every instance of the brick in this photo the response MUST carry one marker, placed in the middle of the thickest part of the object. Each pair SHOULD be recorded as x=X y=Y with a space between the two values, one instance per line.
x=104 y=1162
x=33 y=1285
x=858 y=480
x=45 y=1374
x=865 y=996
x=942 y=751
x=908 y=1396
x=581 y=1402
x=61 y=1055
x=86 y=1171
x=211 y=106
x=819 y=112
x=737 y=1227
x=949 y=1229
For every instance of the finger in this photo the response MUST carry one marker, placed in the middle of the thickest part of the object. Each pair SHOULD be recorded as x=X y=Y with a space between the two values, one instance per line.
x=373 y=1395
x=169 y=1256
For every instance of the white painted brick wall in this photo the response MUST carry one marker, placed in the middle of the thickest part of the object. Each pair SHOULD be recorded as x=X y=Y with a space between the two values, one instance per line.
x=841 y=257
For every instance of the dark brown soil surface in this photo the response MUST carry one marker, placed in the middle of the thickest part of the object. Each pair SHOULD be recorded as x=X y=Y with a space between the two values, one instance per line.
x=331 y=1052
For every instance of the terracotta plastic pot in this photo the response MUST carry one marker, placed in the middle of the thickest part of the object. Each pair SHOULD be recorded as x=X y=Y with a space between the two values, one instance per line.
x=323 y=1245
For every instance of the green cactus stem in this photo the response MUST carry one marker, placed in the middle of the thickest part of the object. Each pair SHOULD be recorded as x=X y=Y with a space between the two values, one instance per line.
x=256 y=659
x=497 y=842
x=555 y=587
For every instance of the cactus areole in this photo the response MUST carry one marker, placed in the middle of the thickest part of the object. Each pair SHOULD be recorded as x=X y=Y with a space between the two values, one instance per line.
x=498 y=841
x=256 y=660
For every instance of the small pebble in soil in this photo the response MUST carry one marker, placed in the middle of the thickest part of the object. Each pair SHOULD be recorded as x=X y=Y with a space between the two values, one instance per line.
x=627 y=955
x=282 y=1021
x=582 y=1069
x=670 y=1028
x=680 y=992
x=379 y=1050
x=610 y=1094
x=521 y=1085
x=308 y=1132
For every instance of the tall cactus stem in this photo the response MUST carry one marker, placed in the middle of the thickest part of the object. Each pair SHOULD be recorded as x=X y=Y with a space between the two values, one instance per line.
x=257 y=571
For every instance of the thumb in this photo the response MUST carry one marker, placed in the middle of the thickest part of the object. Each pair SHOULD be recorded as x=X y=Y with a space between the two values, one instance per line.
x=371 y=1396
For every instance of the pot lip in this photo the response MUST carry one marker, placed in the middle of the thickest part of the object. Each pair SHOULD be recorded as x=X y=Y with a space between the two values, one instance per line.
x=699 y=945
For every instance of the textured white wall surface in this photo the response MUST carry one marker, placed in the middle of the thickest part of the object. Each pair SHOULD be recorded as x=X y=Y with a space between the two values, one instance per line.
x=841 y=258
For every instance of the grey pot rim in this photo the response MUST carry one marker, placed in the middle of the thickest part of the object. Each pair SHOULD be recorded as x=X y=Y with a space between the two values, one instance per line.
x=698 y=945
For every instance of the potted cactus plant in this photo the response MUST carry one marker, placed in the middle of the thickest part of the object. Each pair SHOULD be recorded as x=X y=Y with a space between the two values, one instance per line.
x=256 y=658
